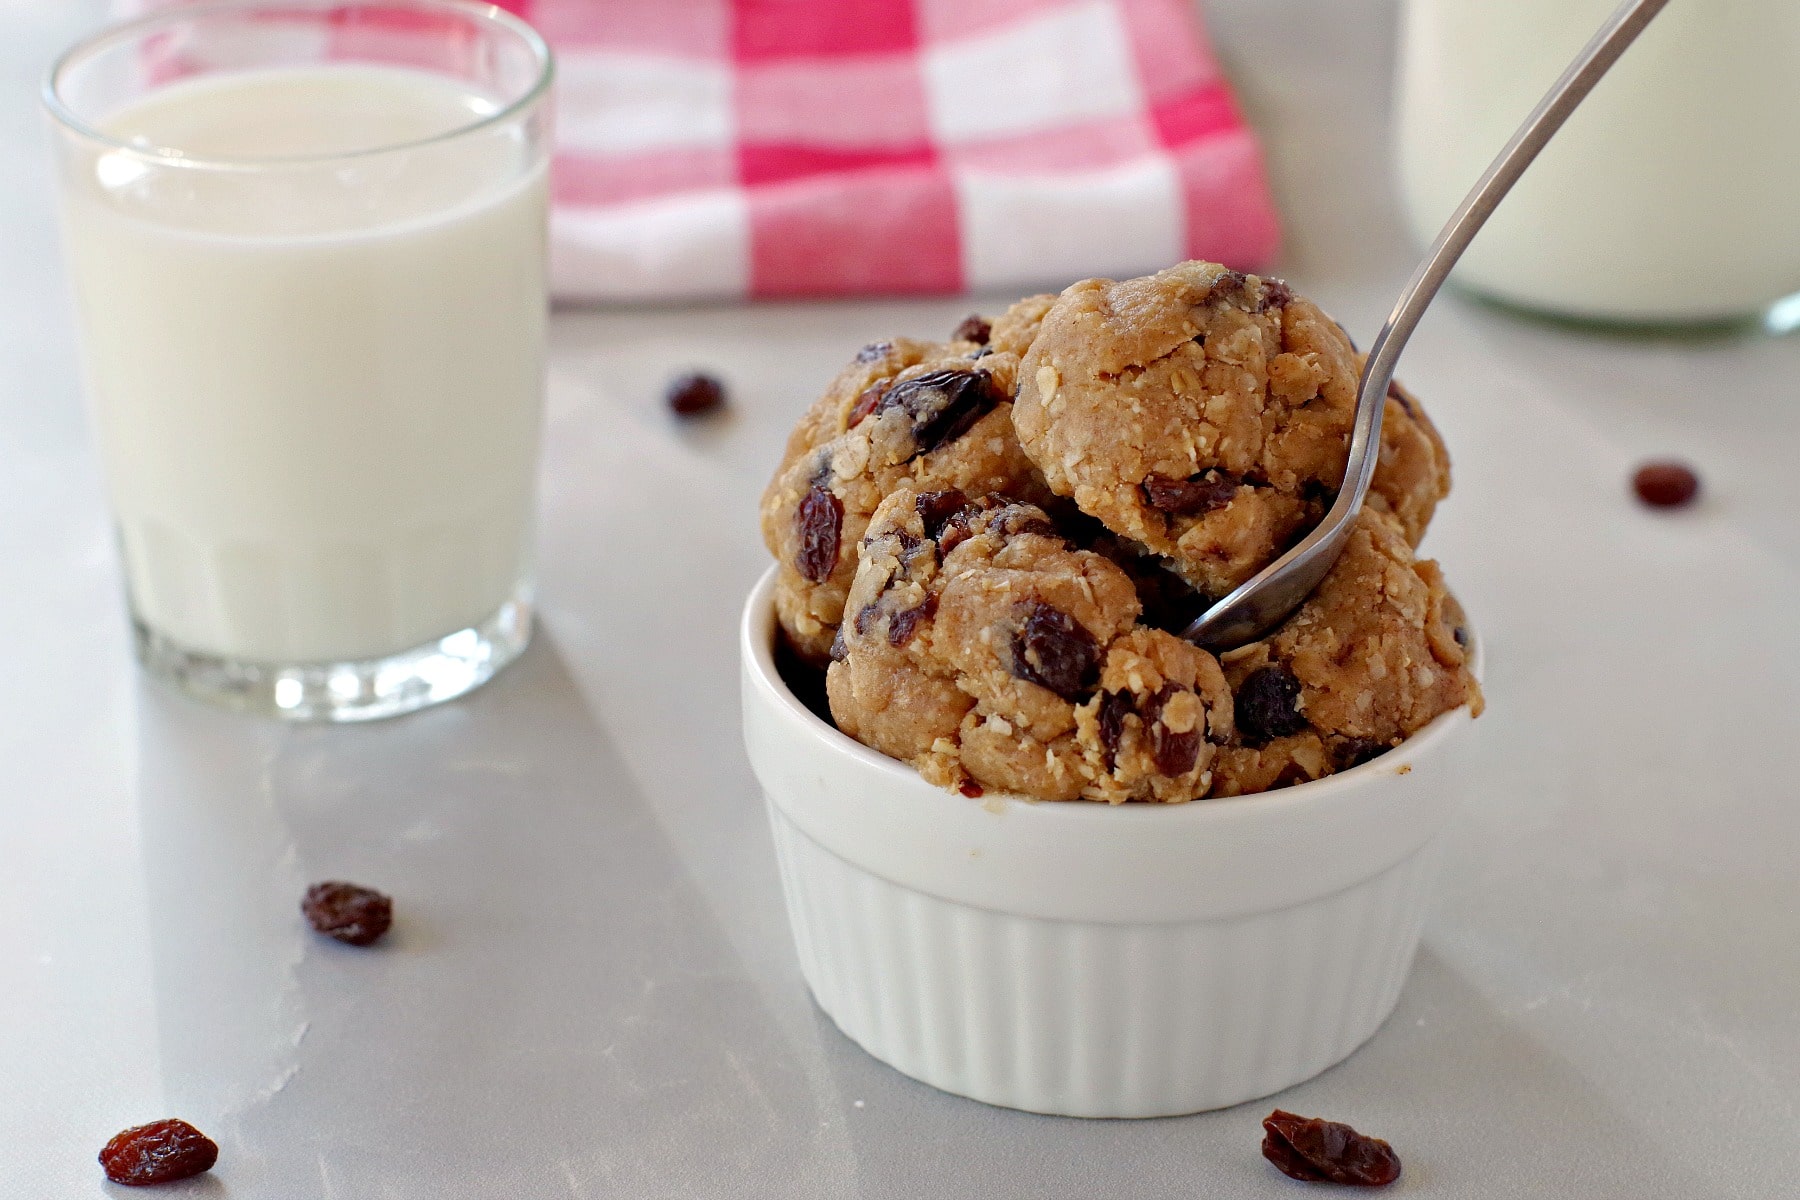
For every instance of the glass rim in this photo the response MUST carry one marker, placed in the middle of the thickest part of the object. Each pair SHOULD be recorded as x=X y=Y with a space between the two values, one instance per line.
x=170 y=156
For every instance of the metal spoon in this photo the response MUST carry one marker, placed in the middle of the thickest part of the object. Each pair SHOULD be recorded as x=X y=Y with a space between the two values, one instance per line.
x=1279 y=588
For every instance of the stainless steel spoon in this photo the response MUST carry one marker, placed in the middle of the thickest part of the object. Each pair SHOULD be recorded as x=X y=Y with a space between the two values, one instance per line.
x=1279 y=588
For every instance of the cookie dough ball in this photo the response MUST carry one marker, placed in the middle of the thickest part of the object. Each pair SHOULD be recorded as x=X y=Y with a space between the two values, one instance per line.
x=1375 y=653
x=1205 y=414
x=935 y=414
x=985 y=649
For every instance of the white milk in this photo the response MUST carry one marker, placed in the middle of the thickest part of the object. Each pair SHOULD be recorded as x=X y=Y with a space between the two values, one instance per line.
x=317 y=389
x=1673 y=193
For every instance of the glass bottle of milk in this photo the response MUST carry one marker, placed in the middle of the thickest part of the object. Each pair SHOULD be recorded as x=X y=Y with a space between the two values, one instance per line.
x=1672 y=195
x=307 y=239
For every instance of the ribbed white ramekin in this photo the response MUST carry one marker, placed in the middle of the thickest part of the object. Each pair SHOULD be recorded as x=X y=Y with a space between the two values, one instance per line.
x=1087 y=960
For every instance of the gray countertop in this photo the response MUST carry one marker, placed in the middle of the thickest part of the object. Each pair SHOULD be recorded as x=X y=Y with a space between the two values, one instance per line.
x=590 y=991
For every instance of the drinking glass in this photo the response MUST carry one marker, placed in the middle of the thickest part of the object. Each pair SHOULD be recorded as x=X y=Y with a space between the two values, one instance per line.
x=308 y=240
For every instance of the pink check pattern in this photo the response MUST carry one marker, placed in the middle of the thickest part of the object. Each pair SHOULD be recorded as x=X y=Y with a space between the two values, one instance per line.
x=771 y=148
x=766 y=148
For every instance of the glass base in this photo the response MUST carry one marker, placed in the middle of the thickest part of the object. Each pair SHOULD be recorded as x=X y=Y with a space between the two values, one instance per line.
x=366 y=690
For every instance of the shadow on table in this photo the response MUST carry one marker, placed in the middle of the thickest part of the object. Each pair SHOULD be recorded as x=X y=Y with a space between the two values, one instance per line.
x=554 y=1014
x=1474 y=1104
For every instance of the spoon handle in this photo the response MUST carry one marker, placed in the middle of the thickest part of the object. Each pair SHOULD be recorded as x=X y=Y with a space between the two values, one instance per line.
x=1620 y=30
x=1279 y=588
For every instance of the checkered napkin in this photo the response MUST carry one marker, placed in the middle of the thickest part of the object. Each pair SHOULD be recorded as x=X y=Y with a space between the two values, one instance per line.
x=729 y=148
x=733 y=148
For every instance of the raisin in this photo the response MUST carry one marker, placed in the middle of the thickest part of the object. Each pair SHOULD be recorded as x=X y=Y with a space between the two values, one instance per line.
x=1666 y=484
x=1227 y=286
x=1316 y=1151
x=1268 y=705
x=1275 y=294
x=873 y=351
x=971 y=789
x=350 y=913
x=1173 y=753
x=160 y=1152
x=839 y=651
x=1054 y=651
x=1190 y=497
x=820 y=519
x=1399 y=397
x=1017 y=520
x=865 y=403
x=974 y=328
x=904 y=624
x=694 y=394
x=936 y=509
x=865 y=618
x=1461 y=635
x=1356 y=751
x=1114 y=708
x=942 y=405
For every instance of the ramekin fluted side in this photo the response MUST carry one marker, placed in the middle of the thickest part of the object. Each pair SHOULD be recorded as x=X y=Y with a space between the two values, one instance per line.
x=1099 y=1019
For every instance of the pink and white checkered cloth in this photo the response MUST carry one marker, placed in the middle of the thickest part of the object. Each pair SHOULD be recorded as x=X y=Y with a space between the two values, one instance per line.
x=728 y=148
x=758 y=148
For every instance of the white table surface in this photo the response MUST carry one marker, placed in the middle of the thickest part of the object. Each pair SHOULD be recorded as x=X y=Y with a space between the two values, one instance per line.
x=590 y=990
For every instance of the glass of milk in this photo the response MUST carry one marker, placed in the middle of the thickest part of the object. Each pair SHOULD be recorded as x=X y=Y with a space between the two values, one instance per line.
x=307 y=241
x=1672 y=195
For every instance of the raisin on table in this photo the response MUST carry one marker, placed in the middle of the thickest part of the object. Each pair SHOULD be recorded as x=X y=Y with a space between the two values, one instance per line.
x=1666 y=484
x=160 y=1152
x=348 y=912
x=1317 y=1151
x=694 y=394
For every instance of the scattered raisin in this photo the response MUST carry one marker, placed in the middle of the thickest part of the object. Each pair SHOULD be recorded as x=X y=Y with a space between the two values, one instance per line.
x=873 y=351
x=160 y=1152
x=865 y=618
x=974 y=328
x=865 y=403
x=1356 y=751
x=1316 y=1151
x=348 y=912
x=1275 y=294
x=942 y=405
x=820 y=519
x=839 y=651
x=1666 y=484
x=1174 y=753
x=1461 y=635
x=904 y=624
x=1268 y=705
x=1054 y=651
x=695 y=393
x=1114 y=708
x=971 y=789
x=1190 y=497
x=936 y=509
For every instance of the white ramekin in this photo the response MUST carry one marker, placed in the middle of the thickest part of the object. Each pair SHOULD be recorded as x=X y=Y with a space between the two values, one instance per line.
x=1087 y=960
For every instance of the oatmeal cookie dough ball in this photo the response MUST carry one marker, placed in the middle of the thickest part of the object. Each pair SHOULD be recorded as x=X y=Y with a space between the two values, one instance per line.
x=1375 y=653
x=982 y=647
x=1205 y=414
x=935 y=415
